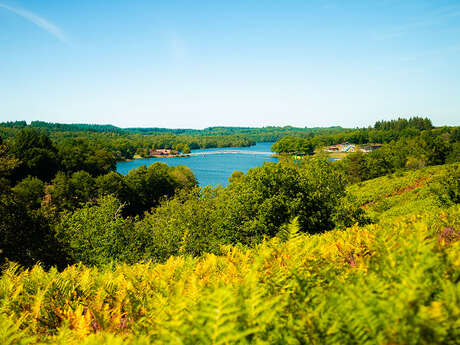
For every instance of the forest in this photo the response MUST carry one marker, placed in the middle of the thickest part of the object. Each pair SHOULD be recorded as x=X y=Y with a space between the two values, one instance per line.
x=125 y=143
x=363 y=250
x=382 y=132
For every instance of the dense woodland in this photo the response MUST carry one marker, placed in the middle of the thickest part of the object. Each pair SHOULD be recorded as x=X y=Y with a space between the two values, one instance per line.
x=407 y=144
x=128 y=142
x=359 y=251
x=420 y=129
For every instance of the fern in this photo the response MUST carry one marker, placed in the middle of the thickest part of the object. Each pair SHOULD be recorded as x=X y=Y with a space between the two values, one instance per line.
x=13 y=333
x=289 y=231
x=395 y=282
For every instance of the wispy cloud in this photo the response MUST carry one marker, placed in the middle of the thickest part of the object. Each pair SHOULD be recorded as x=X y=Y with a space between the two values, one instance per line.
x=39 y=21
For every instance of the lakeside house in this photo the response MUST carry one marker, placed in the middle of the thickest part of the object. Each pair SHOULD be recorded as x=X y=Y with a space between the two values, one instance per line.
x=160 y=152
x=348 y=147
x=343 y=147
x=333 y=148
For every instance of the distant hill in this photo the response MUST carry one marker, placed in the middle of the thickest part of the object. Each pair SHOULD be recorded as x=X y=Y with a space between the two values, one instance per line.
x=62 y=127
x=269 y=133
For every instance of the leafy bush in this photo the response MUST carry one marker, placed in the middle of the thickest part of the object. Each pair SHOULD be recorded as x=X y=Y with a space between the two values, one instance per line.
x=96 y=234
x=252 y=207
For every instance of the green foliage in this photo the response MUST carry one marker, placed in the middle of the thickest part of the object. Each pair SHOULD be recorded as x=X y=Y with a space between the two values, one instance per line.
x=258 y=205
x=414 y=142
x=76 y=155
x=391 y=283
x=26 y=236
x=68 y=192
x=235 y=176
x=454 y=155
x=158 y=181
x=289 y=231
x=30 y=192
x=96 y=235
x=115 y=184
x=186 y=149
x=80 y=146
x=246 y=264
x=13 y=333
x=447 y=185
x=8 y=163
x=294 y=146
x=429 y=148
x=37 y=155
x=188 y=224
x=401 y=124
x=140 y=190
x=252 y=207
x=412 y=192
x=415 y=163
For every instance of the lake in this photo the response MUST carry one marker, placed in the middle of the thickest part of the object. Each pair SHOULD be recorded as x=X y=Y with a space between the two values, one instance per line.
x=212 y=166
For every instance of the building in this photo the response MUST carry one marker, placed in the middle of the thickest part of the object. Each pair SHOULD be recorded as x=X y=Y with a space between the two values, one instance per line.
x=343 y=147
x=160 y=152
x=333 y=148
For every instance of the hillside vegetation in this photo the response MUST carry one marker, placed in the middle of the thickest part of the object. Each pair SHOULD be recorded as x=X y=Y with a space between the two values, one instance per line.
x=394 y=282
x=305 y=251
x=428 y=189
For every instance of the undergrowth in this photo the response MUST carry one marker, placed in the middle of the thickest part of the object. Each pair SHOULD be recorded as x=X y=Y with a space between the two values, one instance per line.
x=390 y=283
x=412 y=192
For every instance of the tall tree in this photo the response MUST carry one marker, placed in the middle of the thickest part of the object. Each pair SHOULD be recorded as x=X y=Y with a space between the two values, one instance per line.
x=37 y=153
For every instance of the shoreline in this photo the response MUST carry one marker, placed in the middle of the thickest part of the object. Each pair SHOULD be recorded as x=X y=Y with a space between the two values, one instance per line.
x=178 y=155
x=154 y=156
x=182 y=155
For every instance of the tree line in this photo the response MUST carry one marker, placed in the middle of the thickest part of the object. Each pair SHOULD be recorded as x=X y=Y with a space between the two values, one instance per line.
x=125 y=143
x=407 y=144
x=381 y=132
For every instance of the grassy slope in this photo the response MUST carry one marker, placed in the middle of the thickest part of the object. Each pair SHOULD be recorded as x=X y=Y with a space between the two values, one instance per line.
x=401 y=194
x=395 y=282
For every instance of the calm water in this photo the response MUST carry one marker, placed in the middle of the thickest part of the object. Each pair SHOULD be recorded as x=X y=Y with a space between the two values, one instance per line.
x=212 y=166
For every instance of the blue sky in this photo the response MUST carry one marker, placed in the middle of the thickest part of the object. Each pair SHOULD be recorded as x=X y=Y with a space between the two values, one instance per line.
x=243 y=63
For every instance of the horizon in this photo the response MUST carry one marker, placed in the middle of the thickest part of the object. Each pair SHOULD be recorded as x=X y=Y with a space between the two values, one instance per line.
x=193 y=65
x=28 y=123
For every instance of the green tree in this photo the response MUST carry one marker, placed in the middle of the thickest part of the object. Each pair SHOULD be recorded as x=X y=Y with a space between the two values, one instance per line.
x=8 y=163
x=76 y=155
x=30 y=192
x=96 y=234
x=151 y=184
x=83 y=187
x=183 y=177
x=37 y=154
x=235 y=176
x=356 y=166
x=26 y=237
x=186 y=149
x=114 y=183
